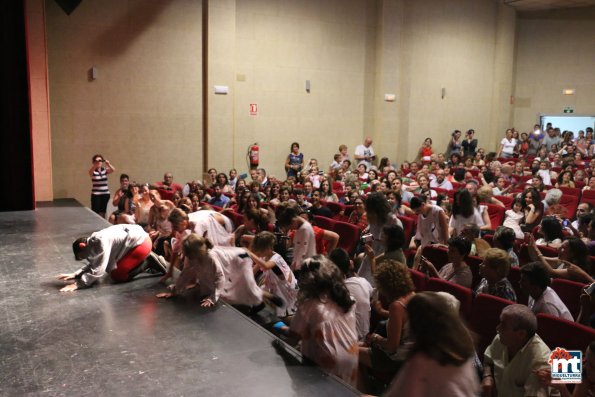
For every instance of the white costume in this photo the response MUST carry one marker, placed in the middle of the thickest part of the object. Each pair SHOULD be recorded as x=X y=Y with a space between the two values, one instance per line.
x=225 y=273
x=282 y=284
x=106 y=248
x=304 y=245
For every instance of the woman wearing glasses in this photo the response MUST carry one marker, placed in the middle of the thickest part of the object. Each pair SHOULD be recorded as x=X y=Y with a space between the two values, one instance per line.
x=100 y=191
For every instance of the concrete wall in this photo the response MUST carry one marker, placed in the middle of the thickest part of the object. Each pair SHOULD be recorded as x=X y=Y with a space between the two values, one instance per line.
x=556 y=50
x=143 y=112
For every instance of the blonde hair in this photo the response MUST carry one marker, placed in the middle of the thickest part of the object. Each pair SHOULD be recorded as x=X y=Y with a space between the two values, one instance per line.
x=195 y=246
x=498 y=260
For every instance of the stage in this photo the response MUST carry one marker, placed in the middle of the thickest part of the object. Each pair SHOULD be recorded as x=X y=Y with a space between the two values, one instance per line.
x=118 y=339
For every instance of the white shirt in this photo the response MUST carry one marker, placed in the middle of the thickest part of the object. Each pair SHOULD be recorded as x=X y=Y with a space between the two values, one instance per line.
x=106 y=248
x=361 y=291
x=508 y=146
x=428 y=227
x=361 y=150
x=304 y=245
x=545 y=175
x=550 y=303
x=444 y=185
x=458 y=222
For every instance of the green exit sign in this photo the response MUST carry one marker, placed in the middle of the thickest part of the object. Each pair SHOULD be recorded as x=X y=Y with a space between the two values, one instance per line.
x=568 y=109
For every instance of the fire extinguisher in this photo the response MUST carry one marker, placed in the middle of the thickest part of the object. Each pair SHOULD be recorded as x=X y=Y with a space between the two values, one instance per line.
x=253 y=155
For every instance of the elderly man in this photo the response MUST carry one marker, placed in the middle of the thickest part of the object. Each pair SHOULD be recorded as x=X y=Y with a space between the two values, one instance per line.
x=440 y=181
x=514 y=355
x=167 y=187
x=364 y=154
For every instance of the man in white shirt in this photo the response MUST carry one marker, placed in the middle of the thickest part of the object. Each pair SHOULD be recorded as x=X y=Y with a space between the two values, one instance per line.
x=440 y=182
x=515 y=354
x=364 y=154
x=535 y=281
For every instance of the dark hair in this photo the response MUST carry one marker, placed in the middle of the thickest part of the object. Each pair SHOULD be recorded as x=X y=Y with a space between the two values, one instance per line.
x=505 y=237
x=417 y=202
x=489 y=176
x=258 y=217
x=124 y=176
x=428 y=312
x=377 y=207
x=318 y=276
x=537 y=274
x=340 y=257
x=286 y=214
x=534 y=196
x=461 y=244
x=294 y=144
x=459 y=174
x=395 y=237
x=94 y=157
x=223 y=175
x=551 y=229
x=463 y=204
x=78 y=247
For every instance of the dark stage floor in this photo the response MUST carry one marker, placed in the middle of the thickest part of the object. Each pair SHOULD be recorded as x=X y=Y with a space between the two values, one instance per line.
x=118 y=339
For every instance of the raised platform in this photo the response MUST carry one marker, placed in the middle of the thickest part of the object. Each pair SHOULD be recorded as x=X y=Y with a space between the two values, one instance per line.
x=118 y=339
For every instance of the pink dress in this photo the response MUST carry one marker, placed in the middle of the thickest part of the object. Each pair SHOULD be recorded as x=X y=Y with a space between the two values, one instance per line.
x=328 y=337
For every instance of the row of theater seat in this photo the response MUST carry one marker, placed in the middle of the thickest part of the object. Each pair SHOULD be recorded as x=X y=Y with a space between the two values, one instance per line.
x=482 y=313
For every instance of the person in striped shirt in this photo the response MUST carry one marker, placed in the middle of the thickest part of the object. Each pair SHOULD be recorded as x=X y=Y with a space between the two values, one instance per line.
x=100 y=192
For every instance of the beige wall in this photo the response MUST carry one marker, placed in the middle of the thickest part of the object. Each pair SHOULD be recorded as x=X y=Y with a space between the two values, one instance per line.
x=556 y=50
x=38 y=90
x=144 y=111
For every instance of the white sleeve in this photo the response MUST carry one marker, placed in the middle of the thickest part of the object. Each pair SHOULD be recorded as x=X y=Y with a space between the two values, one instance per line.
x=98 y=262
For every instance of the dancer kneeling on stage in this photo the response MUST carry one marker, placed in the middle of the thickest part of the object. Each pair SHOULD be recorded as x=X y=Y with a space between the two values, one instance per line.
x=123 y=251
x=218 y=272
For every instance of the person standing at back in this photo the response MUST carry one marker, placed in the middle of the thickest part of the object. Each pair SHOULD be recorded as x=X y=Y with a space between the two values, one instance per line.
x=100 y=192
x=364 y=154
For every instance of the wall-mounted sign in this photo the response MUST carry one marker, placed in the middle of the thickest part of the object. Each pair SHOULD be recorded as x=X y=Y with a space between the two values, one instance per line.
x=253 y=109
x=568 y=109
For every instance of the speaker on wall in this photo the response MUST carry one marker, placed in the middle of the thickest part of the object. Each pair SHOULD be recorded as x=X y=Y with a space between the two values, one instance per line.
x=68 y=5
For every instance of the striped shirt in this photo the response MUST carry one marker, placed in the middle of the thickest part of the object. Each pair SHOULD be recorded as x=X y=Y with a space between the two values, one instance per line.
x=99 y=179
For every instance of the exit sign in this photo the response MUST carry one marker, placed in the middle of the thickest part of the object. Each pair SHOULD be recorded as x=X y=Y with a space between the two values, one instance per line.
x=568 y=109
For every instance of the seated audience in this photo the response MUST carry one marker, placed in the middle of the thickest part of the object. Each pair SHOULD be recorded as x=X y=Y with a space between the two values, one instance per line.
x=535 y=282
x=514 y=356
x=494 y=269
x=456 y=271
x=439 y=363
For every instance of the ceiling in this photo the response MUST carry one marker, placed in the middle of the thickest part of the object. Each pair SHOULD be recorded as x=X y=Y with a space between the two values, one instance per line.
x=535 y=5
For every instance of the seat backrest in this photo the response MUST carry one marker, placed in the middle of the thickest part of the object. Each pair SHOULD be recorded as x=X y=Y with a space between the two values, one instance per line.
x=419 y=279
x=572 y=191
x=324 y=222
x=485 y=316
x=348 y=236
x=514 y=276
x=408 y=227
x=506 y=200
x=474 y=262
x=464 y=295
x=570 y=293
x=570 y=202
x=557 y=332
x=496 y=214
x=437 y=255
x=334 y=207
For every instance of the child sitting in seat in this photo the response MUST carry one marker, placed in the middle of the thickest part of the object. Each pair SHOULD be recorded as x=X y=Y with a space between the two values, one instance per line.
x=514 y=217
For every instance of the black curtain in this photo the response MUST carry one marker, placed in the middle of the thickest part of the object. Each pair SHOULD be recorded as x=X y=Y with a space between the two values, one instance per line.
x=16 y=169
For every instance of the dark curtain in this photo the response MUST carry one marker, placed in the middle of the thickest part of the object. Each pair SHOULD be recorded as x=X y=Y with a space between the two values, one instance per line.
x=16 y=169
